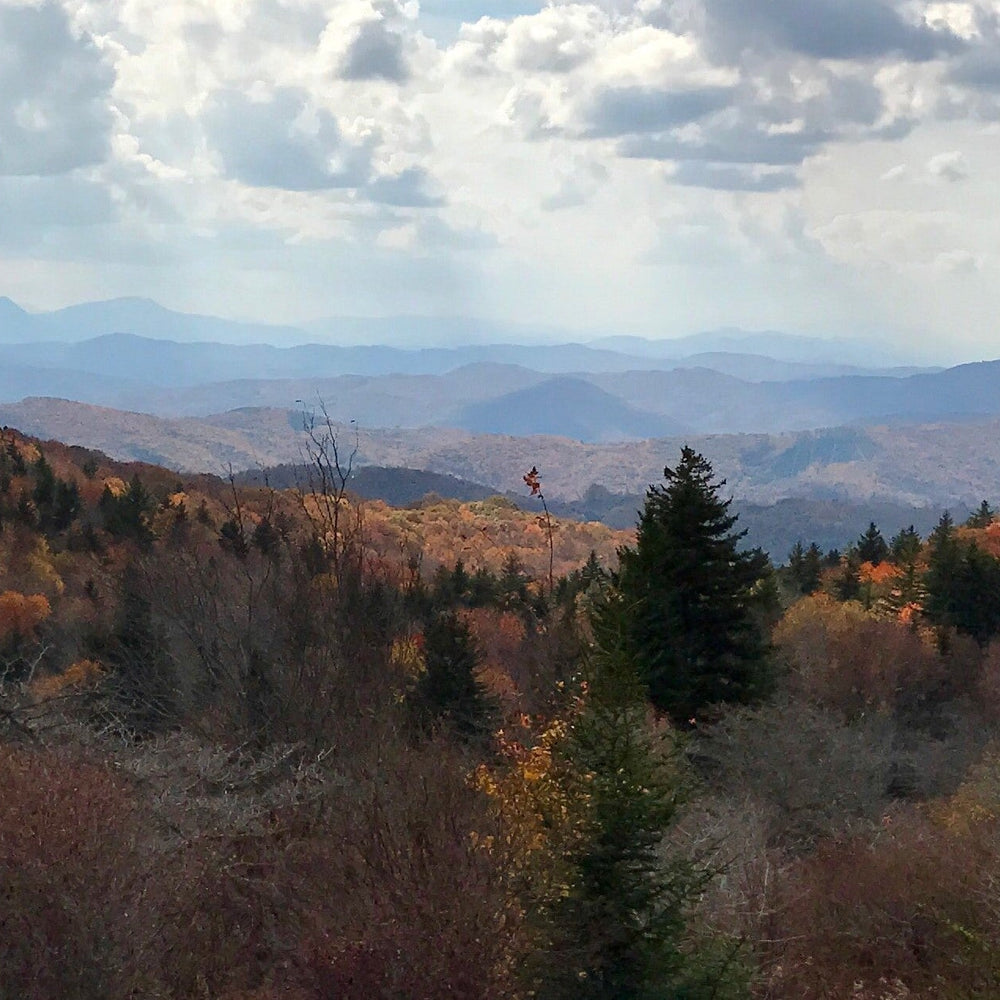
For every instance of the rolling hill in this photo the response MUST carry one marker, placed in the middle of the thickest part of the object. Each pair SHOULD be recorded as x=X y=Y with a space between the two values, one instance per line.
x=938 y=464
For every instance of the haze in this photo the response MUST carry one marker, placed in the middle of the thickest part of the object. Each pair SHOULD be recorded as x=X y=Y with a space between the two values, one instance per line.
x=648 y=167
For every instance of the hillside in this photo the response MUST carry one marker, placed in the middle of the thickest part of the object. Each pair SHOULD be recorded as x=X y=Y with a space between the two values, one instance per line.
x=564 y=407
x=261 y=743
x=590 y=395
x=937 y=464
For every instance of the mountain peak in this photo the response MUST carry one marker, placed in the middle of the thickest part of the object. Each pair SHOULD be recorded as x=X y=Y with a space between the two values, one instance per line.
x=8 y=307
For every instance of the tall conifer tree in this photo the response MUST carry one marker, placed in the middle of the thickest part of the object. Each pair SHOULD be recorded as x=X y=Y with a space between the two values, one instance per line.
x=690 y=592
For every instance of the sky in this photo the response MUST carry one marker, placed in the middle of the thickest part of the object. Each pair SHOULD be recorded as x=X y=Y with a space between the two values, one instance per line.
x=660 y=167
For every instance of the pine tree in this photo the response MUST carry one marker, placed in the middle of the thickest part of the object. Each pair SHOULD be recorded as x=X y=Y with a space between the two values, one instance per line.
x=871 y=547
x=617 y=929
x=449 y=690
x=905 y=547
x=805 y=567
x=812 y=569
x=689 y=593
x=143 y=689
x=982 y=518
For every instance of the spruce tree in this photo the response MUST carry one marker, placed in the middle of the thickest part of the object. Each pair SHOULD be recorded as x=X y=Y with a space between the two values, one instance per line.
x=689 y=593
x=871 y=546
x=905 y=547
x=617 y=928
x=982 y=518
x=449 y=689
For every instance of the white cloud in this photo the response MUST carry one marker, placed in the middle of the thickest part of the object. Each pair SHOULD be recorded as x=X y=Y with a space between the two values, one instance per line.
x=638 y=162
x=951 y=166
x=54 y=86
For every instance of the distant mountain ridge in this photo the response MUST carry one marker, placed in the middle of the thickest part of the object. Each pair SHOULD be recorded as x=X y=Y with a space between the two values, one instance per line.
x=147 y=318
x=171 y=379
x=913 y=465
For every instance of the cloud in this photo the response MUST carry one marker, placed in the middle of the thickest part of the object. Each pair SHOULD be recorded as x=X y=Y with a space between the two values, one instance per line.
x=729 y=177
x=979 y=68
x=376 y=52
x=827 y=29
x=34 y=208
x=407 y=189
x=729 y=144
x=951 y=166
x=54 y=90
x=554 y=40
x=283 y=141
x=899 y=172
x=627 y=110
x=579 y=180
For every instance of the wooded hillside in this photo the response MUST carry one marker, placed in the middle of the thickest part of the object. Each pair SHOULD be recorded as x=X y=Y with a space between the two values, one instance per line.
x=260 y=744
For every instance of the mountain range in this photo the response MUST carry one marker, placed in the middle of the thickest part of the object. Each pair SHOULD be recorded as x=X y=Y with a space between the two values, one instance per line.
x=168 y=378
x=918 y=465
x=148 y=319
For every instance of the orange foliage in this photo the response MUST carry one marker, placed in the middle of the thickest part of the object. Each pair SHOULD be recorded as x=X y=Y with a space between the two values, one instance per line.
x=20 y=615
x=847 y=659
x=877 y=575
x=499 y=636
x=76 y=675
x=989 y=540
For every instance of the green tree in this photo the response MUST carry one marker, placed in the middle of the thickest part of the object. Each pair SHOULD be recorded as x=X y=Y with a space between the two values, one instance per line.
x=129 y=514
x=805 y=567
x=617 y=929
x=689 y=593
x=905 y=546
x=982 y=518
x=871 y=546
x=963 y=585
x=449 y=689
x=143 y=689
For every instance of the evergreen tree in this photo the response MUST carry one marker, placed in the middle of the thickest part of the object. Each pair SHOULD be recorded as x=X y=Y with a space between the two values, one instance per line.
x=805 y=567
x=943 y=568
x=66 y=506
x=905 y=547
x=689 y=593
x=963 y=585
x=871 y=547
x=847 y=583
x=812 y=570
x=982 y=518
x=44 y=493
x=128 y=515
x=449 y=689
x=143 y=688
x=617 y=928
x=975 y=604
x=795 y=560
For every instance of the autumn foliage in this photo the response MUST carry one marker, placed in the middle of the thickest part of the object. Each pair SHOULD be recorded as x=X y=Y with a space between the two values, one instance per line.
x=252 y=752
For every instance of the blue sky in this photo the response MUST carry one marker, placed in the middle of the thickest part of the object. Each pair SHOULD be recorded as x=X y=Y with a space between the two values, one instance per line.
x=652 y=166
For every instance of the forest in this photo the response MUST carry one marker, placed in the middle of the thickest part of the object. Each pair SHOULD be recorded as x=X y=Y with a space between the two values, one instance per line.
x=261 y=743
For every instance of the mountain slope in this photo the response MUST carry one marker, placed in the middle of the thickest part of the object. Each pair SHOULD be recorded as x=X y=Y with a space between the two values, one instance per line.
x=565 y=407
x=933 y=464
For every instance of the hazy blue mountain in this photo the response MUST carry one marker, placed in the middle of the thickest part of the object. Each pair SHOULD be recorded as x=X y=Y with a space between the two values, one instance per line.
x=758 y=368
x=411 y=332
x=172 y=363
x=774 y=344
x=567 y=407
x=15 y=323
x=147 y=318
x=20 y=381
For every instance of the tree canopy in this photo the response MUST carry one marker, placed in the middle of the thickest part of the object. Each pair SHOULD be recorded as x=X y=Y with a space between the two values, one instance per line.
x=690 y=593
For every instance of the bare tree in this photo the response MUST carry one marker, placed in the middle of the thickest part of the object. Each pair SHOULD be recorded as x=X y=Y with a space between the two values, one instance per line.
x=324 y=496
